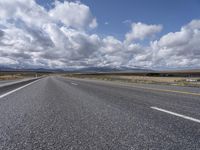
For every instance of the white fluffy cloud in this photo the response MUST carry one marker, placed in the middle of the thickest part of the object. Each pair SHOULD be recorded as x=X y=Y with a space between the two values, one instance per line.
x=31 y=36
x=179 y=49
x=74 y=15
x=141 y=31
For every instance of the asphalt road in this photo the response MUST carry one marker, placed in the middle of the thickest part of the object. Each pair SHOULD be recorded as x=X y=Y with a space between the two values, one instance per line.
x=6 y=81
x=59 y=113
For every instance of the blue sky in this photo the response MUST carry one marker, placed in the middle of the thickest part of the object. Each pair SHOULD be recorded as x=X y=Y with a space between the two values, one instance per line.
x=172 y=14
x=155 y=34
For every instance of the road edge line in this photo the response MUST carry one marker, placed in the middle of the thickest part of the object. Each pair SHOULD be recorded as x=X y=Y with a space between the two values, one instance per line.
x=17 y=89
x=176 y=114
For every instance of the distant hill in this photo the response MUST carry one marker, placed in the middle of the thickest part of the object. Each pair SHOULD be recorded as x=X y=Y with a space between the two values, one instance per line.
x=109 y=69
x=80 y=70
x=29 y=69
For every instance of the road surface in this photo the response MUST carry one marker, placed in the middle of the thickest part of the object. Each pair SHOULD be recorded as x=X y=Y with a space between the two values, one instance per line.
x=62 y=113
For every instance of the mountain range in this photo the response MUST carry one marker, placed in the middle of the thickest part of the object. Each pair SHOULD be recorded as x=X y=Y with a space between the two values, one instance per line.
x=80 y=70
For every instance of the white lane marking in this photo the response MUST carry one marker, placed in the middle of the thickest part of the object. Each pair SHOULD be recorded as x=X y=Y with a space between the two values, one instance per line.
x=10 y=92
x=176 y=114
x=14 y=82
x=74 y=83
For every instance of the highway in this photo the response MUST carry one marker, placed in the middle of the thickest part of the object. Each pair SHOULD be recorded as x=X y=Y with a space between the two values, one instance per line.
x=58 y=113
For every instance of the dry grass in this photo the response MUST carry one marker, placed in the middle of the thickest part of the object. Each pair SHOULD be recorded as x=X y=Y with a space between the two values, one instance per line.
x=10 y=77
x=180 y=81
x=153 y=79
x=18 y=75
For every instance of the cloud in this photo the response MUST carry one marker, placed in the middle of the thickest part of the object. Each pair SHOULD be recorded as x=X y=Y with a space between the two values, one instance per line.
x=106 y=23
x=31 y=36
x=128 y=21
x=111 y=45
x=1 y=33
x=93 y=24
x=48 y=41
x=73 y=14
x=179 y=49
x=141 y=31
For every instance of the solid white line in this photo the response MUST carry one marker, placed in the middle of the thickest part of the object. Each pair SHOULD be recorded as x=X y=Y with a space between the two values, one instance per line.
x=176 y=114
x=74 y=83
x=14 y=82
x=10 y=92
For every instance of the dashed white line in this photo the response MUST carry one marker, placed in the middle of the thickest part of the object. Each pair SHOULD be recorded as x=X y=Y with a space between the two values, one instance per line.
x=74 y=83
x=10 y=92
x=176 y=114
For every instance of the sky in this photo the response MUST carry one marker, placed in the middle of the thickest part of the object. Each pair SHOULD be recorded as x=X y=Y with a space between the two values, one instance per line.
x=156 y=34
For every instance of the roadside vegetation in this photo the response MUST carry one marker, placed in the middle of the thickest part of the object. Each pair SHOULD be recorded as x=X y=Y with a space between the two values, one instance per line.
x=18 y=75
x=178 y=81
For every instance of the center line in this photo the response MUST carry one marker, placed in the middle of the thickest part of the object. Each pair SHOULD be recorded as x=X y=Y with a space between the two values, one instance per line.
x=176 y=114
x=74 y=83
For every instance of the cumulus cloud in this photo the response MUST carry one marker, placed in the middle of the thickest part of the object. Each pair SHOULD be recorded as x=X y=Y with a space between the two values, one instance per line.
x=179 y=49
x=74 y=15
x=141 y=31
x=31 y=36
x=35 y=37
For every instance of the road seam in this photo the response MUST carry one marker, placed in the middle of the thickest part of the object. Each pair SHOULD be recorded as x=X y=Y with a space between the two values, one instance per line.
x=12 y=91
x=176 y=114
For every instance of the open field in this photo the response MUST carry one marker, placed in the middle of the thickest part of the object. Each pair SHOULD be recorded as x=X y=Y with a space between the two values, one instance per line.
x=18 y=75
x=180 y=78
x=148 y=79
